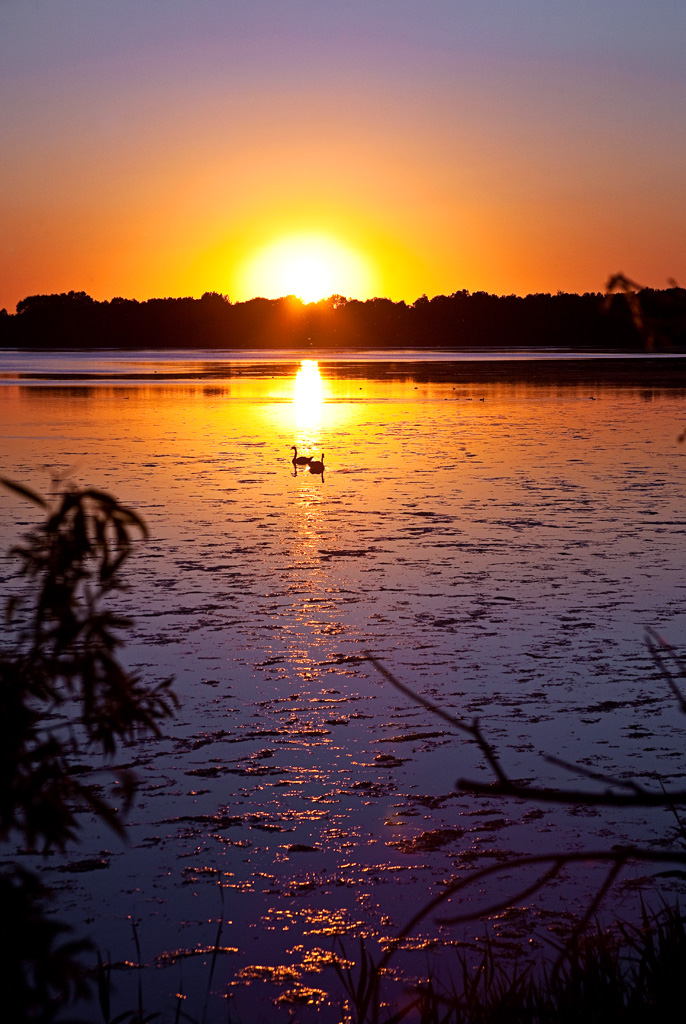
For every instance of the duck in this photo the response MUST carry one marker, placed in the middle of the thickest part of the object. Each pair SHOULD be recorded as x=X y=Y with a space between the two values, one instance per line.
x=317 y=465
x=300 y=460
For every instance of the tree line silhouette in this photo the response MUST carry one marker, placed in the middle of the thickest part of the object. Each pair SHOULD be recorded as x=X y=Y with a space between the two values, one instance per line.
x=462 y=320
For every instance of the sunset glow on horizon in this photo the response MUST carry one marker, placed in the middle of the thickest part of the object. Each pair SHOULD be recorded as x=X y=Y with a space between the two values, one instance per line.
x=311 y=267
x=438 y=147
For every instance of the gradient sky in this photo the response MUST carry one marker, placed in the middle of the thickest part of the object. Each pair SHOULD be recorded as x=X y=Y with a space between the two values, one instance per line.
x=154 y=147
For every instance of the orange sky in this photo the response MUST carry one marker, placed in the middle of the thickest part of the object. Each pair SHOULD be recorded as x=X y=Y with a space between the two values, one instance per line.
x=445 y=145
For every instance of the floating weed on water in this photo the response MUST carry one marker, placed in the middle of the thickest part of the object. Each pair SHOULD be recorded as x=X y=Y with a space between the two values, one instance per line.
x=302 y=994
x=278 y=975
x=173 y=956
x=464 y=569
x=434 y=839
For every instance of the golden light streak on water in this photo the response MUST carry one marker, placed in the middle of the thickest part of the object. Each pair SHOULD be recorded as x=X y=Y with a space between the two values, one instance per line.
x=308 y=395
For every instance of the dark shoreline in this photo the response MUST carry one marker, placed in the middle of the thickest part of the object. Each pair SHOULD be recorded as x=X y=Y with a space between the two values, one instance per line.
x=462 y=320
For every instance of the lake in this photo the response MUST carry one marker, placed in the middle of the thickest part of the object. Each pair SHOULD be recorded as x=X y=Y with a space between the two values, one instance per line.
x=498 y=531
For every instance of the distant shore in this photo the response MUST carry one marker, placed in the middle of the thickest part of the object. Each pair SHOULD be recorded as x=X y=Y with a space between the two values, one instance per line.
x=460 y=321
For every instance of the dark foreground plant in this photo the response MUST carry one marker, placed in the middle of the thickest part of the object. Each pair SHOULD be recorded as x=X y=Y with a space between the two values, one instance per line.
x=40 y=969
x=629 y=975
x=64 y=695
x=659 y=318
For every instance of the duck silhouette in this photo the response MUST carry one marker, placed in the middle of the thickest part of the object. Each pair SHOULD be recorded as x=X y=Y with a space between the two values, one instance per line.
x=300 y=460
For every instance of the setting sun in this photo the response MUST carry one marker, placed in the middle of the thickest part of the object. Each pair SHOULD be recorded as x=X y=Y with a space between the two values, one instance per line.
x=311 y=267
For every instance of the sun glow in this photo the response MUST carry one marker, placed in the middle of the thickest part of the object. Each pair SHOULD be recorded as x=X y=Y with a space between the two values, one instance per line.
x=312 y=267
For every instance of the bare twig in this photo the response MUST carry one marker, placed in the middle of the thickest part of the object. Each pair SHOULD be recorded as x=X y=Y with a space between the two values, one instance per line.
x=548 y=794
x=470 y=729
x=617 y=857
x=504 y=786
x=587 y=773
x=656 y=645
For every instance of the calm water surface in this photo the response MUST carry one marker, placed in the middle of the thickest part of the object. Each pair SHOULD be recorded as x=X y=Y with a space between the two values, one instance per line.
x=499 y=533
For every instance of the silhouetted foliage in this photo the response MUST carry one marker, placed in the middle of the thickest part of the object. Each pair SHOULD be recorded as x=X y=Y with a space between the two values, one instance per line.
x=457 y=321
x=63 y=695
x=40 y=970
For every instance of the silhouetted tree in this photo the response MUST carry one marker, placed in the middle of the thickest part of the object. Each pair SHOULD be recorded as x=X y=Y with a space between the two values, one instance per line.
x=457 y=321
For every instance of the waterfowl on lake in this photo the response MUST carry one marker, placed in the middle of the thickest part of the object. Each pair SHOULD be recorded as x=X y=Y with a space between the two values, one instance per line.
x=317 y=465
x=300 y=460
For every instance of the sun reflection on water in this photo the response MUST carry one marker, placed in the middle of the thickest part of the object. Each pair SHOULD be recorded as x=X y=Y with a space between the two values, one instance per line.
x=308 y=394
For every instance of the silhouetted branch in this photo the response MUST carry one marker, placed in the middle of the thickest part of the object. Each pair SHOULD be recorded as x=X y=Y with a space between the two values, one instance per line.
x=589 y=774
x=470 y=729
x=548 y=794
x=504 y=786
x=657 y=644
x=617 y=857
